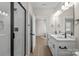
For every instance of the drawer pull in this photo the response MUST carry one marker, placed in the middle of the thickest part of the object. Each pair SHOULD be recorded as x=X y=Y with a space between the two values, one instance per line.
x=63 y=47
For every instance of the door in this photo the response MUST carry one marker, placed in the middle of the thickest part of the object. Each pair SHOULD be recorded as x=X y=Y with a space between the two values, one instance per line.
x=5 y=28
x=19 y=30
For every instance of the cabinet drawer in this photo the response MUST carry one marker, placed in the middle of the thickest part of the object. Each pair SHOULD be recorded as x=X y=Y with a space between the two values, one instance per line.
x=66 y=44
x=65 y=53
x=62 y=48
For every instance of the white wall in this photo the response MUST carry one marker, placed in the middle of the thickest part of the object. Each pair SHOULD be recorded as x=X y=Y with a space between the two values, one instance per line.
x=30 y=12
x=77 y=25
x=52 y=24
x=40 y=27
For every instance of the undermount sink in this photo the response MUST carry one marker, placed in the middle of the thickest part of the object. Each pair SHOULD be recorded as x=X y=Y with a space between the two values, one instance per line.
x=59 y=45
x=60 y=37
x=63 y=36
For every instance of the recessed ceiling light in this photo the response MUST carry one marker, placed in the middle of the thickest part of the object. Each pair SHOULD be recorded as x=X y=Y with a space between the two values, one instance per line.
x=43 y=5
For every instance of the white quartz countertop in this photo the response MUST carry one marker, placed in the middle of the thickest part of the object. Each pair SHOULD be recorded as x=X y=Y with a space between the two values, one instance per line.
x=61 y=37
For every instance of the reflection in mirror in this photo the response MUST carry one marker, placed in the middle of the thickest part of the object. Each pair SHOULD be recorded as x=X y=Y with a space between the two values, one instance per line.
x=65 y=22
x=69 y=26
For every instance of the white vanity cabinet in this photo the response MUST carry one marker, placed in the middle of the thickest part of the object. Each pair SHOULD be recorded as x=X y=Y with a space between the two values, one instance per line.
x=60 y=47
x=52 y=45
x=63 y=47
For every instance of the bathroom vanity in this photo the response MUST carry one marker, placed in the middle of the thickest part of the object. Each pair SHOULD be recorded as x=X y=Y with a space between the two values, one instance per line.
x=59 y=45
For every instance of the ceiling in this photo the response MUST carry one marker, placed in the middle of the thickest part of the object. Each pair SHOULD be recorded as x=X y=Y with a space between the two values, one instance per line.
x=44 y=10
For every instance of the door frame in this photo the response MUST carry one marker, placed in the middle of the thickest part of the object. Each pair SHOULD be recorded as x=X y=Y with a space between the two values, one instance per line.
x=12 y=27
x=31 y=34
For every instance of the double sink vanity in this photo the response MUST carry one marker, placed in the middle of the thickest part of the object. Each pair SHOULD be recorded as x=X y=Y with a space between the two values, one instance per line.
x=65 y=28
x=59 y=45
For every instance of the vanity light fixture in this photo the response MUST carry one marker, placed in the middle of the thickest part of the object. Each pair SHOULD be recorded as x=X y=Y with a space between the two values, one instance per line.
x=63 y=8
x=66 y=5
x=58 y=13
x=3 y=13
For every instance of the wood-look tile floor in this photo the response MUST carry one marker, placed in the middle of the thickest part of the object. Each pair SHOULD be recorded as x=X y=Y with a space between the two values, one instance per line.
x=41 y=48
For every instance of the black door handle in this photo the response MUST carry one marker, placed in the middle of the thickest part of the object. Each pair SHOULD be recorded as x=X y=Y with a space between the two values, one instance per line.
x=32 y=34
x=13 y=35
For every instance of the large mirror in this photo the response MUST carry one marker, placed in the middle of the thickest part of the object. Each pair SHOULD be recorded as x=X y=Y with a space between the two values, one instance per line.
x=66 y=21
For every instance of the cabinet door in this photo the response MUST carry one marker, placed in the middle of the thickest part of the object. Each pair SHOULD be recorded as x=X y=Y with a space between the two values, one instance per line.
x=68 y=45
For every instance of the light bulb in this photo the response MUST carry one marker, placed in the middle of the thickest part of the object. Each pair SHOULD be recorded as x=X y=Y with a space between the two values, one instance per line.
x=63 y=7
x=6 y=14
x=0 y=12
x=71 y=4
x=3 y=13
x=66 y=4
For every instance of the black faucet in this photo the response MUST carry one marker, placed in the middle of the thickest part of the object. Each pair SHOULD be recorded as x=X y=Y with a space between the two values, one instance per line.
x=55 y=32
x=65 y=35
